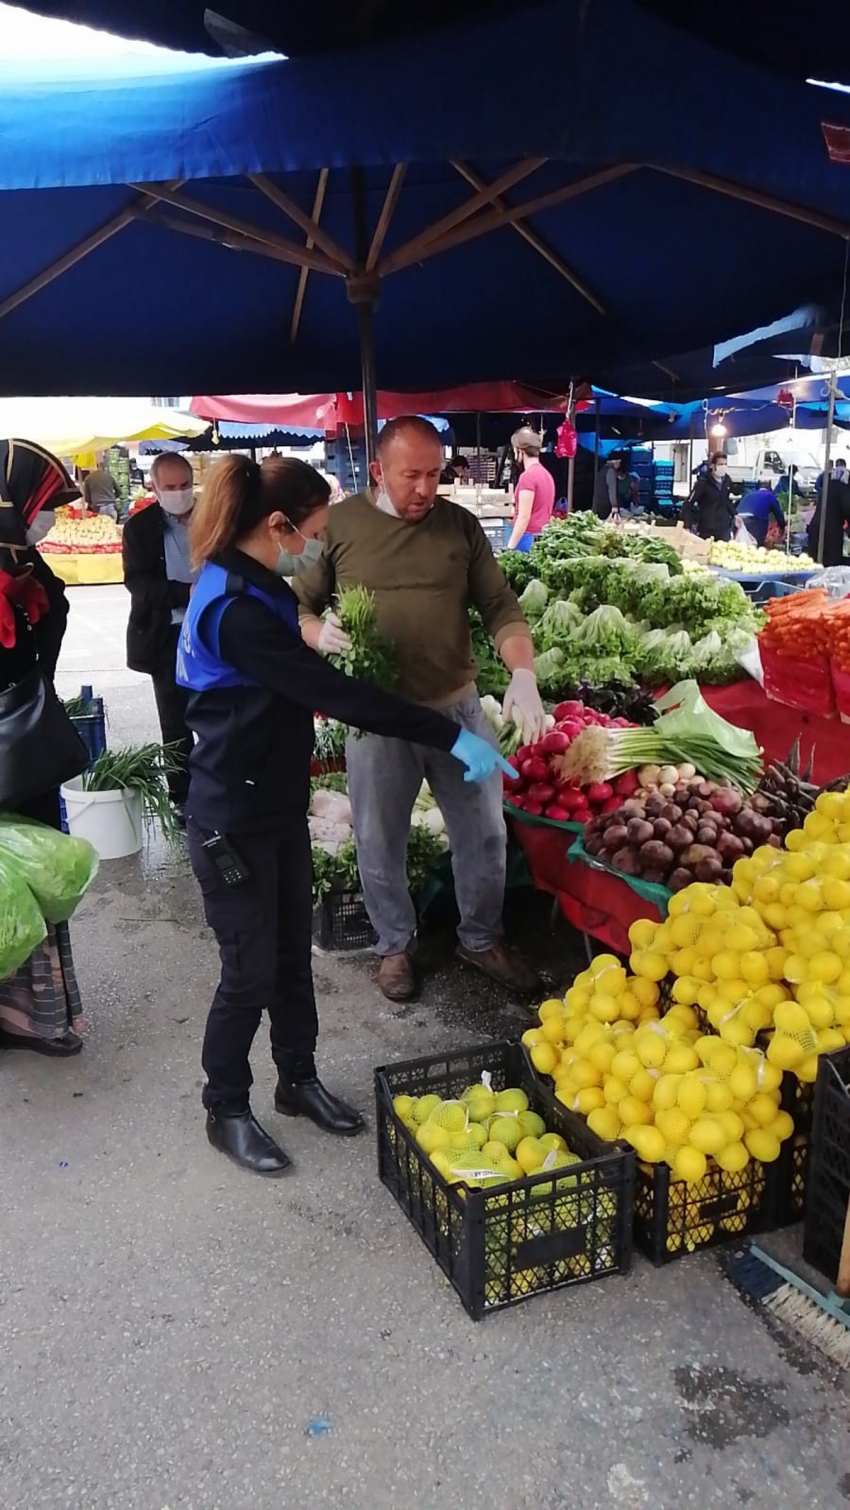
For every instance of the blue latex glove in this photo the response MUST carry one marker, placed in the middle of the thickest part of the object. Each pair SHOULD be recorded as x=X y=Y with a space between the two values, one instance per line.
x=478 y=757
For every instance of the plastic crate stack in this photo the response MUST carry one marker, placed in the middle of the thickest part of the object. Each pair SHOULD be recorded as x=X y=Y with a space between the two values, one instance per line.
x=642 y=468
x=662 y=483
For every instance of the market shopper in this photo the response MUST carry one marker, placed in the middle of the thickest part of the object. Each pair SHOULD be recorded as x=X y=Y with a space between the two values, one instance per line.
x=40 y=1007
x=534 y=495
x=100 y=492
x=158 y=574
x=606 y=486
x=757 y=509
x=837 y=520
x=255 y=686
x=426 y=560
x=711 y=507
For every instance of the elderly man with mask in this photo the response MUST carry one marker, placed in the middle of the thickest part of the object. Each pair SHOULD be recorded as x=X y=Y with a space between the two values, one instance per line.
x=158 y=575
x=426 y=560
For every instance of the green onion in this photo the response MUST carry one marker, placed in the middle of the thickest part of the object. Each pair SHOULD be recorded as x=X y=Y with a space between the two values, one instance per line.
x=141 y=769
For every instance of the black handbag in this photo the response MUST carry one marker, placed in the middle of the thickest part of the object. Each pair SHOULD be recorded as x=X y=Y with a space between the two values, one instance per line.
x=39 y=746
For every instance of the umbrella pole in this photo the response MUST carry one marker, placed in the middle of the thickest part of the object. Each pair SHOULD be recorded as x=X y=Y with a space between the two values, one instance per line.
x=363 y=289
x=827 y=467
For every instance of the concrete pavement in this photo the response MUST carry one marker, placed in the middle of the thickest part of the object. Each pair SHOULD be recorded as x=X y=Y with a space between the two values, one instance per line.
x=175 y=1335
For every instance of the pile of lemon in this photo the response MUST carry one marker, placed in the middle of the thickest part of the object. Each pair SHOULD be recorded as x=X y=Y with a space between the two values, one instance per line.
x=677 y=1095
x=484 y=1137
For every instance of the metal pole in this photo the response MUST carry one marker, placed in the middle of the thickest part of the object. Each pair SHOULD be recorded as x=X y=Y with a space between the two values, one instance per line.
x=827 y=466
x=363 y=291
x=596 y=434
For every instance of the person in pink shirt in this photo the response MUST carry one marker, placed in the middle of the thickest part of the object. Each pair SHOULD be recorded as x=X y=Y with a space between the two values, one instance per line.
x=534 y=497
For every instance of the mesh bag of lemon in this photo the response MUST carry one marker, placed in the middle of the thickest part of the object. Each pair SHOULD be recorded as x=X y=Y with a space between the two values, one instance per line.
x=512 y=1194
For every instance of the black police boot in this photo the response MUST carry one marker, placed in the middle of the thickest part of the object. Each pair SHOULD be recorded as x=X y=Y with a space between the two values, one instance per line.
x=300 y=1096
x=240 y=1136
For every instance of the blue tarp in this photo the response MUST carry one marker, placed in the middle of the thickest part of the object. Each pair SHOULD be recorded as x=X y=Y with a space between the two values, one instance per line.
x=674 y=265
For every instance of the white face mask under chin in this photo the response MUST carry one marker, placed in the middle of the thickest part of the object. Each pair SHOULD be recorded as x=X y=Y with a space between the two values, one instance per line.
x=42 y=523
x=384 y=503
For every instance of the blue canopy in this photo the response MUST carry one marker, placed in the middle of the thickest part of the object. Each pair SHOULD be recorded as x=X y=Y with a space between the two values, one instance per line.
x=811 y=42
x=130 y=186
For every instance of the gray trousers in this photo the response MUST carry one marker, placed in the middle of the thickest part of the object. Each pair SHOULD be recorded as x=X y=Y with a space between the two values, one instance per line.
x=384 y=777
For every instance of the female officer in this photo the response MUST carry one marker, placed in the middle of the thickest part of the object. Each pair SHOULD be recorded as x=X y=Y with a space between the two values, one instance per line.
x=256 y=686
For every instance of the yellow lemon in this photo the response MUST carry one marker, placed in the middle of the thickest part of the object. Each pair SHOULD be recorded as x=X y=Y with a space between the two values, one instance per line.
x=733 y=1158
x=755 y=968
x=674 y=1125
x=720 y=1096
x=686 y=990
x=707 y=1135
x=733 y=991
x=782 y=1126
x=614 y=1090
x=691 y=1096
x=590 y=1099
x=810 y=896
x=651 y=1048
x=629 y=1007
x=552 y=1029
x=818 y=826
x=665 y=1092
x=529 y=1155
x=732 y=1125
x=625 y=1064
x=763 y=1145
x=642 y=1084
x=605 y=1007
x=719 y=1056
x=601 y=1055
x=825 y=966
x=642 y=933
x=647 y=1142
x=552 y=1007
x=836 y=866
x=829 y=1040
x=727 y=965
x=605 y=1123
x=647 y=964
x=544 y=1057
x=645 y=991
x=690 y=1165
x=743 y=1083
x=684 y=930
x=633 y=1112
x=680 y=1058
x=766 y=888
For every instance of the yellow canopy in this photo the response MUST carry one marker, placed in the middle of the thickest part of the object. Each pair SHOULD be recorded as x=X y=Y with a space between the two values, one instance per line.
x=76 y=428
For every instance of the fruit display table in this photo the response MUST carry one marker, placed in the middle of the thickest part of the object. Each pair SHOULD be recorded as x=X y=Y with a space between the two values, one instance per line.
x=605 y=907
x=83 y=549
x=82 y=568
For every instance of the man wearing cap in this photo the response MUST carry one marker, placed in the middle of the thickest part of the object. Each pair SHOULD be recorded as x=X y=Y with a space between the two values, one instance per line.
x=534 y=497
x=425 y=560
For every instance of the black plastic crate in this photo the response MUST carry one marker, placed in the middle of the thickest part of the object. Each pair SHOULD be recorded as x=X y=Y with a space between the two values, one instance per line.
x=798 y=1098
x=674 y=1218
x=500 y=1245
x=829 y=1167
x=340 y=922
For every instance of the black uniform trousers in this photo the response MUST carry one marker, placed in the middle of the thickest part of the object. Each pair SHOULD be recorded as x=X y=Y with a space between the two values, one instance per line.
x=264 y=933
x=172 y=702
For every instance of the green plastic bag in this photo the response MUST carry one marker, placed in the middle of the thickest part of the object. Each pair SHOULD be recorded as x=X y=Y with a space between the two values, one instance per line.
x=57 y=868
x=22 y=927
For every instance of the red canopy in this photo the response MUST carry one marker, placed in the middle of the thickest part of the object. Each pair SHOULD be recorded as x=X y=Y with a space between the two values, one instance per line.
x=324 y=411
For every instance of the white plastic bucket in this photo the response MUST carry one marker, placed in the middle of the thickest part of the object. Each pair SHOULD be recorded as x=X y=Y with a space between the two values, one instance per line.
x=111 y=821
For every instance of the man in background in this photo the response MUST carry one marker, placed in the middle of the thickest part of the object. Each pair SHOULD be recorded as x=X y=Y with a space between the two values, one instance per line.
x=158 y=575
x=756 y=510
x=100 y=492
x=425 y=559
x=606 y=499
x=534 y=496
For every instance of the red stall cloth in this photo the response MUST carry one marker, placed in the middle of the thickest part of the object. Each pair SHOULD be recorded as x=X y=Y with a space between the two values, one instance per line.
x=776 y=728
x=592 y=901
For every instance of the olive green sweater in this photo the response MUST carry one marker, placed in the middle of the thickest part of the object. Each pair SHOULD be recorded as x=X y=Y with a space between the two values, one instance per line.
x=424 y=577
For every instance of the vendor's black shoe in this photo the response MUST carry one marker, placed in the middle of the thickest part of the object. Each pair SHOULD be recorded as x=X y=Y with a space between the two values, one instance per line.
x=240 y=1136
x=309 y=1098
x=56 y=1048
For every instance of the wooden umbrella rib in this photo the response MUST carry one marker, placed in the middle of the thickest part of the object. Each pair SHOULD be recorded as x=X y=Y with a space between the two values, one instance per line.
x=288 y=251
x=411 y=250
x=483 y=224
x=757 y=198
x=307 y=223
x=386 y=215
x=536 y=242
x=63 y=264
x=232 y=241
x=298 y=306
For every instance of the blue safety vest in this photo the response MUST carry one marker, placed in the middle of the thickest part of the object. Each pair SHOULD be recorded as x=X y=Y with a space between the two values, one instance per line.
x=199 y=662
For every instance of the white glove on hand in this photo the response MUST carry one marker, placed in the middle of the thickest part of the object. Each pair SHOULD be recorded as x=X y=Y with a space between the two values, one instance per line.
x=522 y=699
x=333 y=639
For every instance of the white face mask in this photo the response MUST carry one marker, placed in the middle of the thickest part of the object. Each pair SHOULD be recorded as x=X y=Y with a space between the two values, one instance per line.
x=384 y=503
x=177 y=500
x=289 y=565
x=720 y=472
x=42 y=523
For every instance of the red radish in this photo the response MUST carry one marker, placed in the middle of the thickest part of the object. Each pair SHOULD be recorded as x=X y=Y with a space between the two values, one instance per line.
x=571 y=728
x=611 y=805
x=534 y=808
x=555 y=742
x=581 y=814
x=535 y=769
x=568 y=710
x=599 y=791
x=570 y=797
x=558 y=814
x=524 y=753
x=541 y=791
x=627 y=784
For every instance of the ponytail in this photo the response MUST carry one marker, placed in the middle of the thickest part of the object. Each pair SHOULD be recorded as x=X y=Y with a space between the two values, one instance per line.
x=238 y=495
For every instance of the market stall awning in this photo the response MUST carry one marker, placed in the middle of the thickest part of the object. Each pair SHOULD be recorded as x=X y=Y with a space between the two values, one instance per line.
x=288 y=410
x=215 y=203
x=81 y=426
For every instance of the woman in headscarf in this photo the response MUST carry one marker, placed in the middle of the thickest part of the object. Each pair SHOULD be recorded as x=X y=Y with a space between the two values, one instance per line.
x=39 y=1005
